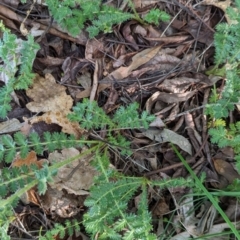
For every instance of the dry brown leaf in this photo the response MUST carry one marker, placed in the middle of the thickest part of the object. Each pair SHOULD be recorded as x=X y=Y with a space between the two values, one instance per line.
x=30 y=159
x=111 y=101
x=51 y=61
x=173 y=97
x=148 y=2
x=164 y=60
x=51 y=98
x=177 y=85
x=8 y=23
x=71 y=67
x=220 y=4
x=119 y=51
x=138 y=29
x=137 y=3
x=154 y=32
x=167 y=135
x=164 y=56
x=127 y=33
x=57 y=44
x=226 y=169
x=161 y=208
x=26 y=127
x=94 y=47
x=66 y=179
x=48 y=96
x=160 y=99
x=223 y=5
x=85 y=79
x=150 y=102
x=122 y=59
x=157 y=122
x=62 y=120
x=11 y=125
x=138 y=60
x=58 y=203
x=151 y=69
x=167 y=40
x=30 y=195
x=123 y=72
x=85 y=93
x=205 y=35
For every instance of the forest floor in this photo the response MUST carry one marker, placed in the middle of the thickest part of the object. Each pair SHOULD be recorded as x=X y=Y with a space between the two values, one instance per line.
x=163 y=69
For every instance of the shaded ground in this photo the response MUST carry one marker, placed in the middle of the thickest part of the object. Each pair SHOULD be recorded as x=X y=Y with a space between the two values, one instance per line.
x=163 y=68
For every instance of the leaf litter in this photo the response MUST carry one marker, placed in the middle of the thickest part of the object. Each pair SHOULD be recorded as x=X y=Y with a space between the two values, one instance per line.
x=160 y=67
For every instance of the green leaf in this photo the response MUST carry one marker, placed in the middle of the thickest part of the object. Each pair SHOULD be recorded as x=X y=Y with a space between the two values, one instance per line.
x=156 y=15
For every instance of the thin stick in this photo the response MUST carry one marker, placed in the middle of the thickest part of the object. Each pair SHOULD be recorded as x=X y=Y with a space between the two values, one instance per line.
x=95 y=81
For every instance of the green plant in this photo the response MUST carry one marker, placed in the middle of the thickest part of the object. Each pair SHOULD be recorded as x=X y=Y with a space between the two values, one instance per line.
x=74 y=15
x=17 y=56
x=201 y=190
x=60 y=230
x=227 y=59
x=108 y=214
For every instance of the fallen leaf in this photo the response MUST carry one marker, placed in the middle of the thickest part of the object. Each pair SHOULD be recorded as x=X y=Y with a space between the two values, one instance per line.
x=167 y=135
x=157 y=122
x=11 y=125
x=58 y=203
x=72 y=67
x=223 y=5
x=48 y=96
x=94 y=47
x=30 y=159
x=127 y=33
x=51 y=61
x=85 y=80
x=62 y=120
x=161 y=208
x=170 y=97
x=122 y=59
x=57 y=44
x=177 y=85
x=80 y=172
x=51 y=98
x=145 y=3
x=137 y=60
x=26 y=127
x=225 y=169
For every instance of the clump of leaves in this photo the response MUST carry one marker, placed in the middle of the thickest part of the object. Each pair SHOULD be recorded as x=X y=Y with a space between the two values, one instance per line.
x=15 y=55
x=14 y=182
x=227 y=58
x=61 y=230
x=90 y=116
x=108 y=215
x=99 y=17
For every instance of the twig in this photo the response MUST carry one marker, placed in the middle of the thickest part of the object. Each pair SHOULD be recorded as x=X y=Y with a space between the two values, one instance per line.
x=95 y=81
x=184 y=113
x=204 y=132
